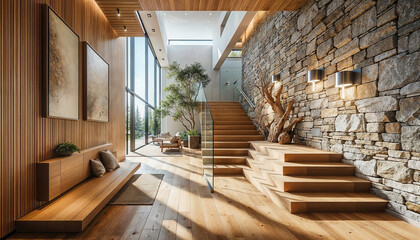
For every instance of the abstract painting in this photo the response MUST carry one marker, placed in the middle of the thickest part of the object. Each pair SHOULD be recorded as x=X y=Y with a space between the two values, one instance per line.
x=96 y=85
x=63 y=69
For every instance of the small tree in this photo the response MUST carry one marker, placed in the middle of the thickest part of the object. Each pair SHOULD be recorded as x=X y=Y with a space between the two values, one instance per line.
x=181 y=102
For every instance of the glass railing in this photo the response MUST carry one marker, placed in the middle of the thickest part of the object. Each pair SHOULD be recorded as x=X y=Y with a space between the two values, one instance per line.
x=207 y=138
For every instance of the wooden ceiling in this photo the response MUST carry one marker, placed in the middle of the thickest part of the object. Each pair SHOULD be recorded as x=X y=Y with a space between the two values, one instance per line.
x=129 y=19
x=221 y=5
x=127 y=16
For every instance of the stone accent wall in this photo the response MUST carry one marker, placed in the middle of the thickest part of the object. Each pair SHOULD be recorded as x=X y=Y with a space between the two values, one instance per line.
x=376 y=125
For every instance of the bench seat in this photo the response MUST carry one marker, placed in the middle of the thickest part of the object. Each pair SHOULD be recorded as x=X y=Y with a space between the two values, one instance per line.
x=75 y=209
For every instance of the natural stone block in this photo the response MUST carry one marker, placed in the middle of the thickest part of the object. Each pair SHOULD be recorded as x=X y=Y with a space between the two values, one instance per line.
x=320 y=28
x=329 y=112
x=360 y=8
x=323 y=49
x=414 y=164
x=399 y=154
x=342 y=23
x=316 y=132
x=359 y=57
x=311 y=47
x=416 y=176
x=382 y=5
x=396 y=171
x=377 y=104
x=354 y=156
x=378 y=35
x=407 y=12
x=330 y=82
x=375 y=127
x=409 y=111
x=385 y=55
x=380 y=117
x=347 y=50
x=343 y=37
x=389 y=195
x=367 y=90
x=398 y=71
x=382 y=46
x=370 y=73
x=410 y=136
x=389 y=15
x=391 y=137
x=414 y=41
x=393 y=128
x=334 y=5
x=319 y=103
x=363 y=23
x=412 y=88
x=413 y=207
x=392 y=146
x=350 y=123
x=366 y=167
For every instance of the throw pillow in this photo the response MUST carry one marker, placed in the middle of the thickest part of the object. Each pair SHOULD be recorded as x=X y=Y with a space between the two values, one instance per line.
x=108 y=160
x=97 y=168
x=174 y=139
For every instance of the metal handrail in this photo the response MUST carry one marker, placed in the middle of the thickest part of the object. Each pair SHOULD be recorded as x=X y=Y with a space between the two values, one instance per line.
x=244 y=95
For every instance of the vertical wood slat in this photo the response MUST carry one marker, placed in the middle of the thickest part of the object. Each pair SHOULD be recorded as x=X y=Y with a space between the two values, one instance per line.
x=26 y=137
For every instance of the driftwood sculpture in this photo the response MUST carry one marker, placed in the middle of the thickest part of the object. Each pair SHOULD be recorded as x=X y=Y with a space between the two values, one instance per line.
x=278 y=132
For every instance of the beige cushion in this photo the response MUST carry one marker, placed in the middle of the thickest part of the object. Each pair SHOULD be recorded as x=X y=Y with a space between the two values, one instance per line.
x=164 y=135
x=108 y=160
x=97 y=168
x=174 y=139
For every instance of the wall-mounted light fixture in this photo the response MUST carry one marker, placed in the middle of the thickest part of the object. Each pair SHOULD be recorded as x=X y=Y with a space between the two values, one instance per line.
x=118 y=12
x=347 y=78
x=275 y=78
x=149 y=15
x=314 y=76
x=125 y=29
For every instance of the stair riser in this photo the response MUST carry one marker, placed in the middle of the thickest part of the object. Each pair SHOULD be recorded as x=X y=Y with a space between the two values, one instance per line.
x=219 y=152
x=229 y=161
x=249 y=123
x=324 y=207
x=227 y=171
x=236 y=118
x=317 y=171
x=324 y=187
x=236 y=132
x=229 y=114
x=237 y=138
x=231 y=144
x=234 y=127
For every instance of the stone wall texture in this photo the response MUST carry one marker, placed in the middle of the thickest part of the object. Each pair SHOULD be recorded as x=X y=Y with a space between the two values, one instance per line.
x=374 y=123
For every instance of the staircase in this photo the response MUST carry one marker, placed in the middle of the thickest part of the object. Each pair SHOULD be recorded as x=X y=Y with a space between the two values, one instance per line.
x=233 y=130
x=299 y=178
x=304 y=179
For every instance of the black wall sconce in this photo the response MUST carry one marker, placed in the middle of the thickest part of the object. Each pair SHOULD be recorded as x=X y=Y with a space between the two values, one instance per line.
x=118 y=12
x=314 y=76
x=347 y=78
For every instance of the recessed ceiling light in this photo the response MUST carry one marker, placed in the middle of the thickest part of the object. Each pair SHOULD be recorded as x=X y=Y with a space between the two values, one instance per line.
x=149 y=15
x=153 y=30
x=163 y=59
x=186 y=14
x=210 y=14
x=160 y=49
x=164 y=13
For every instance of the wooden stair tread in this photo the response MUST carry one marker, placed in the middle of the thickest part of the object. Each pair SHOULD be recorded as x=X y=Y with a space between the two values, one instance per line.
x=80 y=204
x=234 y=127
x=320 y=179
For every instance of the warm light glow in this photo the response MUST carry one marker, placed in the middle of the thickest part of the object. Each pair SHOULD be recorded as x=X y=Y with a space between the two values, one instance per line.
x=118 y=12
x=125 y=29
x=313 y=86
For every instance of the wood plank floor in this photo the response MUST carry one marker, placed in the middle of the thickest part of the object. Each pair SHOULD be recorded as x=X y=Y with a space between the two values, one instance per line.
x=184 y=209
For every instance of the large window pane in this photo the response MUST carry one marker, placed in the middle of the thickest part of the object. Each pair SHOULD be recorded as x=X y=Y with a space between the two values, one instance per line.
x=151 y=77
x=140 y=66
x=140 y=123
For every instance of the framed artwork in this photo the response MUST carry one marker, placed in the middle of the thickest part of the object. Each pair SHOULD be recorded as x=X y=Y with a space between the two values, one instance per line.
x=62 y=68
x=96 y=85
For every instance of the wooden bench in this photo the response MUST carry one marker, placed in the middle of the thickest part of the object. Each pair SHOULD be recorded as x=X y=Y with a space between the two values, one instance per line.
x=76 y=208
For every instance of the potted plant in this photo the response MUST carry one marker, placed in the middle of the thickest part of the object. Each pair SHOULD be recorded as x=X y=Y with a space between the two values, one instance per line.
x=193 y=139
x=181 y=101
x=66 y=149
x=184 y=138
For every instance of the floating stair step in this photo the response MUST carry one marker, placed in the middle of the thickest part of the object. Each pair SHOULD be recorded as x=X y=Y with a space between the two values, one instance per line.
x=328 y=202
x=320 y=183
x=223 y=103
x=236 y=118
x=295 y=153
x=229 y=110
x=234 y=127
x=225 y=151
x=228 y=113
x=231 y=144
x=220 y=122
x=231 y=169
x=237 y=137
x=236 y=132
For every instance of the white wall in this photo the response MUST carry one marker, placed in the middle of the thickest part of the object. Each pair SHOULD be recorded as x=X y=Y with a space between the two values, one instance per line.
x=185 y=55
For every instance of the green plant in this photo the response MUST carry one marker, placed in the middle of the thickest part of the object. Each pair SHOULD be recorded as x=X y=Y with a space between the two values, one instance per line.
x=193 y=133
x=184 y=135
x=66 y=148
x=181 y=102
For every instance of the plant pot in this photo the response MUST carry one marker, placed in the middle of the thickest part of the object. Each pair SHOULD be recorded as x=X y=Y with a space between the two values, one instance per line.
x=185 y=143
x=193 y=142
x=65 y=154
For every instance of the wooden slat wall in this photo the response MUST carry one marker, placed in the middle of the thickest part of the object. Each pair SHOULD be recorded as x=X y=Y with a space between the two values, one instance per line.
x=27 y=137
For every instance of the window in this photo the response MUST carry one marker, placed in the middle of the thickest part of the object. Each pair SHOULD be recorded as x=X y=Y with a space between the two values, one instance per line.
x=142 y=93
x=190 y=42
x=235 y=54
